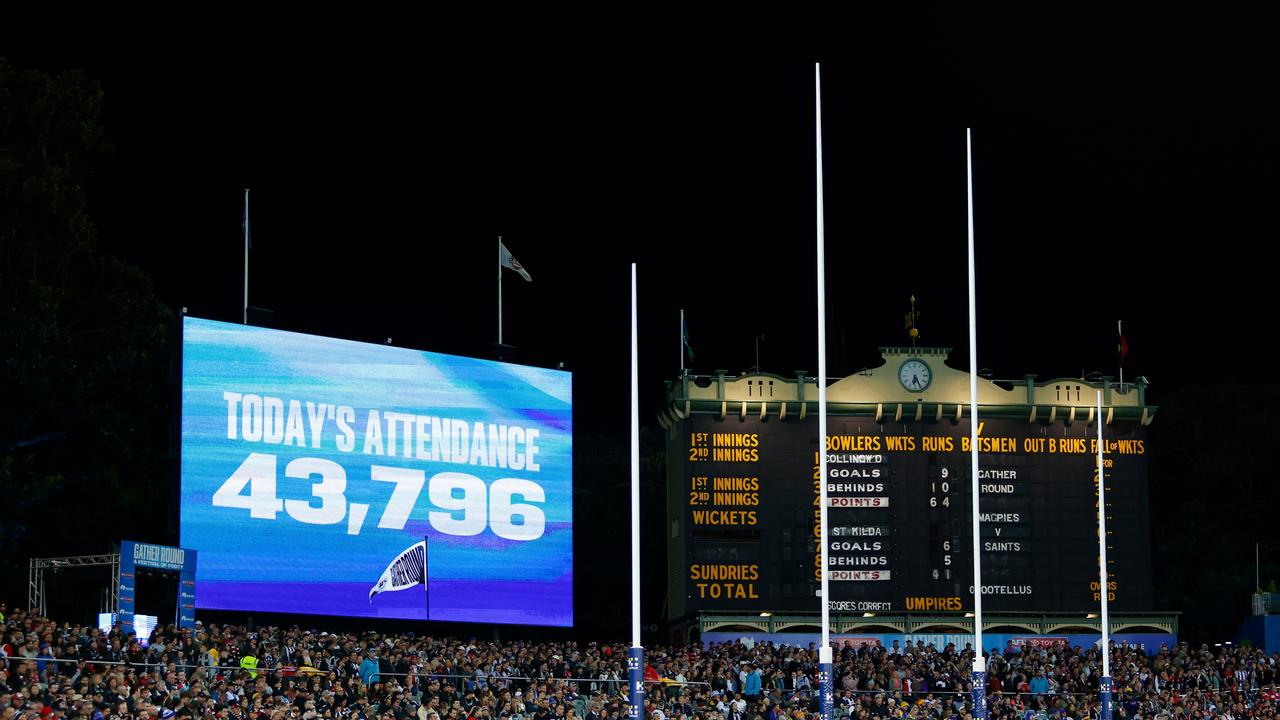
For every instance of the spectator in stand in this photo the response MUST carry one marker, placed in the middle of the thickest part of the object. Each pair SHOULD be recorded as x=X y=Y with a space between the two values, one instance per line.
x=370 y=668
x=752 y=686
x=51 y=671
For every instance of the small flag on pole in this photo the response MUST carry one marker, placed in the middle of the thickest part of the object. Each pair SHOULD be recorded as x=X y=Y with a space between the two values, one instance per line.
x=407 y=570
x=504 y=256
x=1122 y=345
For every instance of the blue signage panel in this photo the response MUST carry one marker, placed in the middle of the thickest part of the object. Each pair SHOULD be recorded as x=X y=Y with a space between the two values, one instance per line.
x=134 y=555
x=333 y=477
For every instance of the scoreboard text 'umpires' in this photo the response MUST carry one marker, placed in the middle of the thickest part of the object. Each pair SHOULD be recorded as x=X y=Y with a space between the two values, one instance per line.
x=743 y=487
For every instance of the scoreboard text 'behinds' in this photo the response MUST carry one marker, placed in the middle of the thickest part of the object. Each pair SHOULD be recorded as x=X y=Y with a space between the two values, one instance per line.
x=744 y=482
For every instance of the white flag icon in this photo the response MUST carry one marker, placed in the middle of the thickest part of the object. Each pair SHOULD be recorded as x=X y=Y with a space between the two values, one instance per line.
x=504 y=256
x=407 y=570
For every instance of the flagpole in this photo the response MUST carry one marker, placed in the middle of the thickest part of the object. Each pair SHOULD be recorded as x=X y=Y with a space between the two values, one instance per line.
x=979 y=658
x=635 y=655
x=681 y=342
x=246 y=256
x=499 y=289
x=1104 y=685
x=824 y=652
x=1120 y=332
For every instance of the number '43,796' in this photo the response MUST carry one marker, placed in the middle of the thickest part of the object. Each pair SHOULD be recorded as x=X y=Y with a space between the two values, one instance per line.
x=463 y=504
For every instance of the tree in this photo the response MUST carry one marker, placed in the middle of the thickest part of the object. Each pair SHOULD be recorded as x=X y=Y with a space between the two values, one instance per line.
x=1212 y=485
x=84 y=387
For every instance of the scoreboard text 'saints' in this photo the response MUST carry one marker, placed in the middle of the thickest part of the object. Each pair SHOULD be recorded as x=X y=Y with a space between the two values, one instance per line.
x=744 y=483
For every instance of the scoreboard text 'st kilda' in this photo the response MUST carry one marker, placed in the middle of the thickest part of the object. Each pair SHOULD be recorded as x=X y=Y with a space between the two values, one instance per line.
x=742 y=482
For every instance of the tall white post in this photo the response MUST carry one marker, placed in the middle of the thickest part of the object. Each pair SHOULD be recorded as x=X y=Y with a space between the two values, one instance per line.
x=824 y=653
x=635 y=468
x=979 y=660
x=1104 y=686
x=635 y=655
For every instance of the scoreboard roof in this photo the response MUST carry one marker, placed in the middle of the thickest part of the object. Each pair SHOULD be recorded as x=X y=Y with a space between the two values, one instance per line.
x=744 y=478
x=881 y=392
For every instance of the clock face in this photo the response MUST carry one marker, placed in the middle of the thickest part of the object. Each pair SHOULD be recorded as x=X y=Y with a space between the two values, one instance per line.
x=915 y=375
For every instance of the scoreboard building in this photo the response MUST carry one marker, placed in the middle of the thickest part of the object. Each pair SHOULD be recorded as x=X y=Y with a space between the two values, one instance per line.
x=743 y=484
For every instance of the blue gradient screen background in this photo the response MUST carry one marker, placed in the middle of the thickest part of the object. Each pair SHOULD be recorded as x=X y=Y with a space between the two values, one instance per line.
x=281 y=564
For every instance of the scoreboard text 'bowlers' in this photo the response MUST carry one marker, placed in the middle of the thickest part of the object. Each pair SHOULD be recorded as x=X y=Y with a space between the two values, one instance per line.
x=744 y=481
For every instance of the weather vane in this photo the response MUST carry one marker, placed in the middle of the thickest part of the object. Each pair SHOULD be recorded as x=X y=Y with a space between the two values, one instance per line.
x=912 y=331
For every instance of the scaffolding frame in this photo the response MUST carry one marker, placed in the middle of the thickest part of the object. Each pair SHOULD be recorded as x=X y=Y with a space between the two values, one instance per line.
x=36 y=595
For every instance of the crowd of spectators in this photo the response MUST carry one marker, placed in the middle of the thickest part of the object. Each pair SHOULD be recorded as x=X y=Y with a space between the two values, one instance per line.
x=64 y=671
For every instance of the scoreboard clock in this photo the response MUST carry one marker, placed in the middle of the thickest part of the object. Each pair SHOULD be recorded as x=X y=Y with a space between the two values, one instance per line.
x=743 y=487
x=915 y=375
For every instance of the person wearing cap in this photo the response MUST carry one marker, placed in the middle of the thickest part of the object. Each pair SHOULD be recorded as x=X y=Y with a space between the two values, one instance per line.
x=737 y=709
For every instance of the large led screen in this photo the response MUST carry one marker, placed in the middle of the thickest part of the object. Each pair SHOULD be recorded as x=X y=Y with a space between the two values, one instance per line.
x=332 y=477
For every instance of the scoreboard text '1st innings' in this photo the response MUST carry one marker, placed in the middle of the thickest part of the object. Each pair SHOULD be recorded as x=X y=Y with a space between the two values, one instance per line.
x=743 y=489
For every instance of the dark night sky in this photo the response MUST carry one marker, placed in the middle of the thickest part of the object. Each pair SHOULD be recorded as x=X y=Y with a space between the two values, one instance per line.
x=1126 y=168
x=383 y=169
